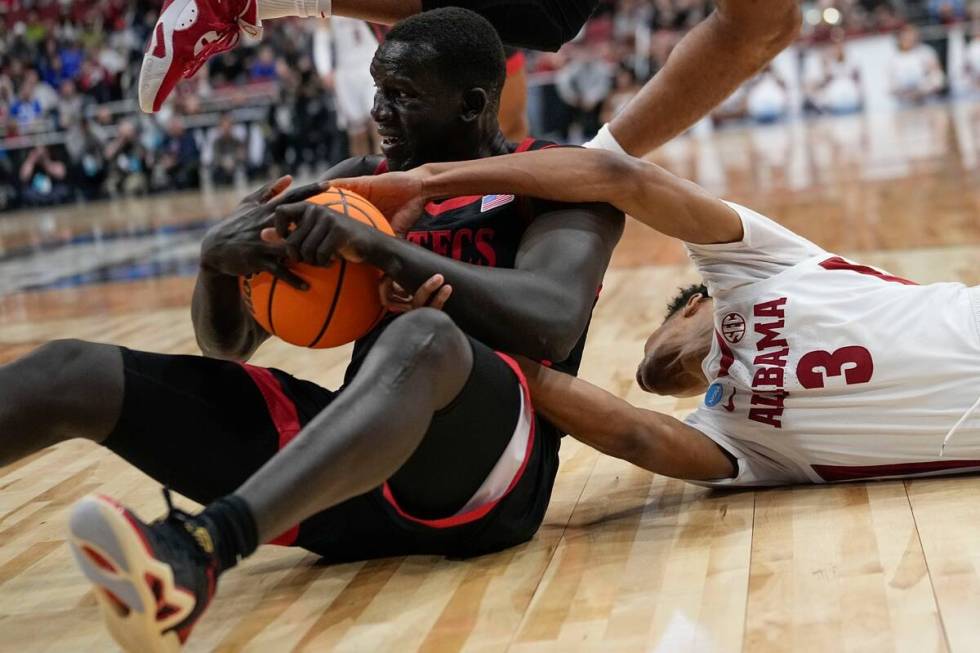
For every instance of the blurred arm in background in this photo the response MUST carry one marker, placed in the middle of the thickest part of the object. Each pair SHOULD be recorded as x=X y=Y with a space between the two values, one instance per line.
x=735 y=42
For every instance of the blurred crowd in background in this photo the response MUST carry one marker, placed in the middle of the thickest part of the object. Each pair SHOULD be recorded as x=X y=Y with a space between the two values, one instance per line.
x=70 y=129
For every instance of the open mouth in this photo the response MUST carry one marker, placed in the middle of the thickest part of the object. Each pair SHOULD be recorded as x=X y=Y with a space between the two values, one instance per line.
x=391 y=141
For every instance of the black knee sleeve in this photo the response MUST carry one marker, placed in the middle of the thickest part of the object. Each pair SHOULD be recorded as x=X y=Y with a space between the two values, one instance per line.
x=535 y=24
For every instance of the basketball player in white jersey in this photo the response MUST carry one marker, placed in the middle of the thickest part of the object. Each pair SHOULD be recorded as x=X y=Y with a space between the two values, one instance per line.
x=342 y=51
x=813 y=368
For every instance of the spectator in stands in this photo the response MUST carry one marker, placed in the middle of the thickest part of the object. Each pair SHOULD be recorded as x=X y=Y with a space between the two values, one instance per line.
x=972 y=57
x=583 y=84
x=227 y=157
x=263 y=69
x=624 y=88
x=44 y=176
x=767 y=99
x=71 y=104
x=916 y=75
x=86 y=155
x=26 y=109
x=833 y=81
x=95 y=81
x=128 y=162
x=178 y=166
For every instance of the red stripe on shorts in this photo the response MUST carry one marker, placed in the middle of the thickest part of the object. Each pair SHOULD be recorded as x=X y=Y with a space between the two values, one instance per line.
x=482 y=511
x=283 y=413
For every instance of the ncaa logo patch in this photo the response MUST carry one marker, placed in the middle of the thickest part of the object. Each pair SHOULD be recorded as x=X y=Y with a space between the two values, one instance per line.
x=491 y=202
x=733 y=327
x=714 y=394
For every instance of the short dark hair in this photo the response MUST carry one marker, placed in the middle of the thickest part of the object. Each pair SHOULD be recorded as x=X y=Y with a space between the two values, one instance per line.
x=684 y=296
x=468 y=50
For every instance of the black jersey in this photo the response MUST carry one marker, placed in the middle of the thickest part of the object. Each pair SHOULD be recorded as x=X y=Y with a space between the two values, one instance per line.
x=481 y=230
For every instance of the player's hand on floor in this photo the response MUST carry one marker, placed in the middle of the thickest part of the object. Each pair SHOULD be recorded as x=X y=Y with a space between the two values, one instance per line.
x=399 y=196
x=235 y=246
x=434 y=293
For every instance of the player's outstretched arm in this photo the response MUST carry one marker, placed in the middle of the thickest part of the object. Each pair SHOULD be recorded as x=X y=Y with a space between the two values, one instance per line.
x=647 y=439
x=736 y=41
x=643 y=190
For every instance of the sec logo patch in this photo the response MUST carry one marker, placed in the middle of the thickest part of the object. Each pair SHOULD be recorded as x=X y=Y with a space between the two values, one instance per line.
x=733 y=327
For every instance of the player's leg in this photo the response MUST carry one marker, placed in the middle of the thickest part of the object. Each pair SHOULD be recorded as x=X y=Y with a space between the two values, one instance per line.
x=64 y=389
x=419 y=365
x=189 y=32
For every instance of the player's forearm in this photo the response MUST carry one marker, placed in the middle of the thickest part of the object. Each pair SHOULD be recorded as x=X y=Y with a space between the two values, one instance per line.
x=671 y=205
x=377 y=11
x=650 y=440
x=512 y=310
x=222 y=326
x=557 y=174
x=708 y=64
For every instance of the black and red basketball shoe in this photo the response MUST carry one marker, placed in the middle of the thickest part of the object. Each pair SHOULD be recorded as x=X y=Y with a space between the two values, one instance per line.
x=152 y=581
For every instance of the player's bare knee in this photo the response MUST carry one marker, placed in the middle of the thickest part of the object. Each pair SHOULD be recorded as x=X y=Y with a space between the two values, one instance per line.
x=435 y=334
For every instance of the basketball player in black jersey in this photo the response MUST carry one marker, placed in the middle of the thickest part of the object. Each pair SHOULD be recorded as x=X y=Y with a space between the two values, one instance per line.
x=431 y=446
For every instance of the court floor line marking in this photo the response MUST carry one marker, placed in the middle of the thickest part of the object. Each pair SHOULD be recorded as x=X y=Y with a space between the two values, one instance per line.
x=925 y=559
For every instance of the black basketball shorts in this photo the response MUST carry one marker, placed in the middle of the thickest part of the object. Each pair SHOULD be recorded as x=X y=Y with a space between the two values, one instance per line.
x=480 y=481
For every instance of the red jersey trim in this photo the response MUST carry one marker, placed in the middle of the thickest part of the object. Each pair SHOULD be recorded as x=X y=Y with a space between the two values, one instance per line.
x=727 y=357
x=837 y=263
x=382 y=167
x=438 y=208
x=283 y=413
x=484 y=510
x=832 y=473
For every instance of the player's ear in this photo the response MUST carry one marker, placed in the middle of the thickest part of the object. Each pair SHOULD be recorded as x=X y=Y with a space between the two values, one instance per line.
x=693 y=304
x=475 y=102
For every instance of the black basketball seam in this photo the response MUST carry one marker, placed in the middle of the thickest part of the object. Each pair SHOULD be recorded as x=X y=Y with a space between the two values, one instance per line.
x=271 y=303
x=347 y=206
x=333 y=304
x=354 y=207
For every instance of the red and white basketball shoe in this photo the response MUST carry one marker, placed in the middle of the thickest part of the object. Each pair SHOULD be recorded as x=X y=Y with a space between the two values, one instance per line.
x=152 y=581
x=187 y=34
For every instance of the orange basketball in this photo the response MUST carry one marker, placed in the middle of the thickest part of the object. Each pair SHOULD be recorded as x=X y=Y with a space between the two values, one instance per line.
x=342 y=302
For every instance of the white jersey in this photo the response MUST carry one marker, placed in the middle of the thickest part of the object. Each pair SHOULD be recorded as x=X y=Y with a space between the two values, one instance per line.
x=345 y=48
x=825 y=370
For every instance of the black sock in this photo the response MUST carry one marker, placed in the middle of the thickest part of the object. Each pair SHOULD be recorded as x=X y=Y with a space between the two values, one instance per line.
x=232 y=527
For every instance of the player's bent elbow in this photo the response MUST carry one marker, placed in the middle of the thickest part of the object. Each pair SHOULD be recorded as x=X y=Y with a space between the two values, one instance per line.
x=784 y=27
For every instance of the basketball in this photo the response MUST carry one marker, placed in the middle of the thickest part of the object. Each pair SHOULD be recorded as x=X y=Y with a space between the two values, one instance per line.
x=341 y=304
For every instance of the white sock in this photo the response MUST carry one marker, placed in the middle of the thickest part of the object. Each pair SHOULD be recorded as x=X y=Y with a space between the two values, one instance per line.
x=302 y=8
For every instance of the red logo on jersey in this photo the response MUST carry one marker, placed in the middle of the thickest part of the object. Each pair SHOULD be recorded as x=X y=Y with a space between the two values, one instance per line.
x=733 y=327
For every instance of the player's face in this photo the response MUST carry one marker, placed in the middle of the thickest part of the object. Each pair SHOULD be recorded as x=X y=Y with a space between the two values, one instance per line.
x=673 y=353
x=417 y=112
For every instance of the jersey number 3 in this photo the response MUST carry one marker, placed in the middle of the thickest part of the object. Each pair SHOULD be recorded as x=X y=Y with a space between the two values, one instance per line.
x=854 y=362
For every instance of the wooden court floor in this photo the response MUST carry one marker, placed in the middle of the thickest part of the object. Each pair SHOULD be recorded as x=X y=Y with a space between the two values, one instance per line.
x=625 y=561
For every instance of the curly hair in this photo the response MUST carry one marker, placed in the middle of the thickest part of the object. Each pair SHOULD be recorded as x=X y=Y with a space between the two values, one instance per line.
x=684 y=296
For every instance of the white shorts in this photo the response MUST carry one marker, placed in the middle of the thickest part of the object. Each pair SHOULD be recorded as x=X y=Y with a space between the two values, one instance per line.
x=355 y=97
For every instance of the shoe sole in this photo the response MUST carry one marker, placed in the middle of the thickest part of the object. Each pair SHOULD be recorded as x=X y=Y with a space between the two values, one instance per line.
x=159 y=67
x=113 y=555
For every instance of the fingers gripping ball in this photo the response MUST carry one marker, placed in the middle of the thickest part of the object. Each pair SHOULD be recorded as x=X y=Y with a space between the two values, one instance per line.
x=341 y=304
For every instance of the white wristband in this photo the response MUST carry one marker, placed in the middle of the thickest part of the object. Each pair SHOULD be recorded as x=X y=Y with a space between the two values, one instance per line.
x=605 y=140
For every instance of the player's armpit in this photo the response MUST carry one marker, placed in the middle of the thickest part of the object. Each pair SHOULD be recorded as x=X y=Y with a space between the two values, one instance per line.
x=647 y=439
